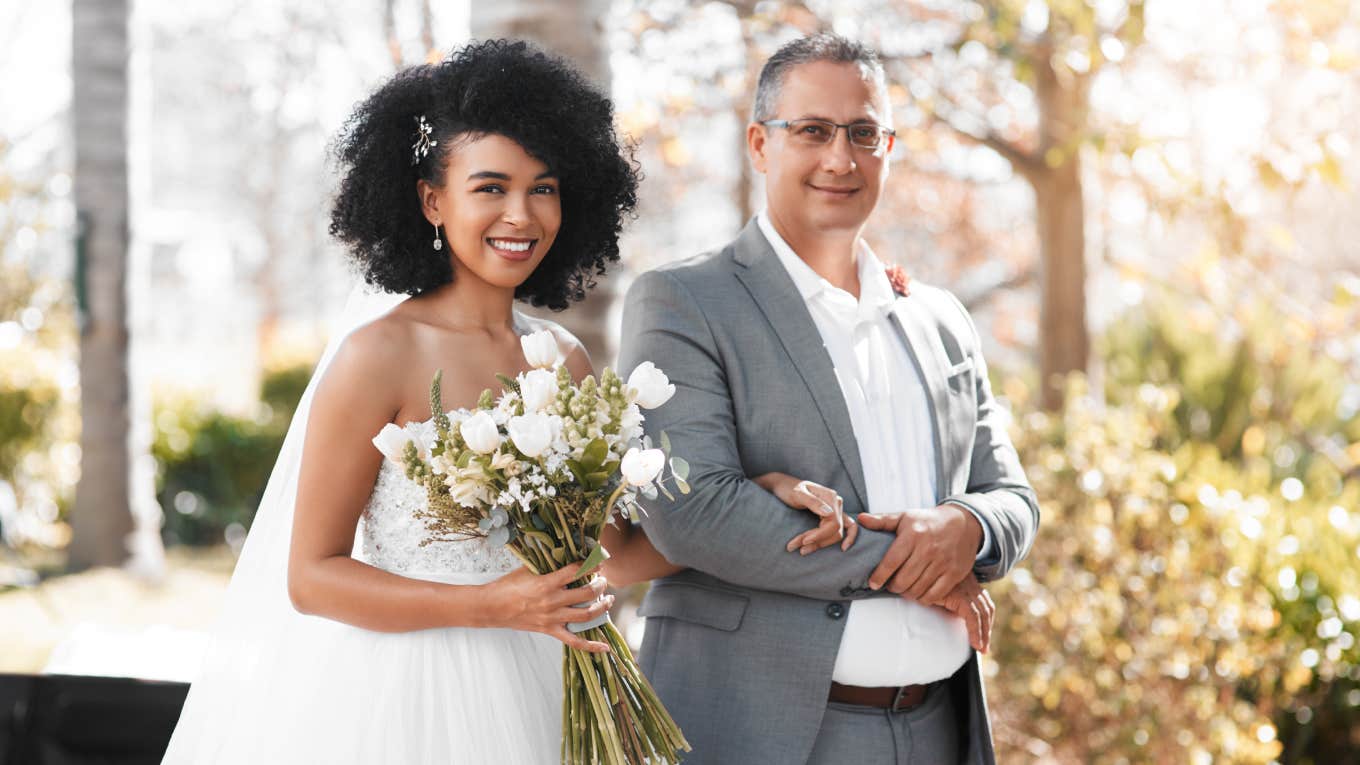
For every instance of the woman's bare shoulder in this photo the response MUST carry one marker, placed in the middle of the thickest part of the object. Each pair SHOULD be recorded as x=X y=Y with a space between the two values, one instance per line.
x=370 y=355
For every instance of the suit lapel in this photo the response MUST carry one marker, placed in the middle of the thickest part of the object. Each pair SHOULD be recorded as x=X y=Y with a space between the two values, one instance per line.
x=932 y=366
x=778 y=299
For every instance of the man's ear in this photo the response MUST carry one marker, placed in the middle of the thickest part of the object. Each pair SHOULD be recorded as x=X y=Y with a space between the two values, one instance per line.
x=429 y=202
x=757 y=141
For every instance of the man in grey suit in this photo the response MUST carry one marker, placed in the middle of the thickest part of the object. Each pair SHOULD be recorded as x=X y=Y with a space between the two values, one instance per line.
x=796 y=359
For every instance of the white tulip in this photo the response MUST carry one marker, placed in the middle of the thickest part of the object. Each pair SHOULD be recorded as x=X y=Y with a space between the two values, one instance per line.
x=392 y=441
x=540 y=349
x=533 y=432
x=651 y=385
x=537 y=387
x=479 y=432
x=641 y=466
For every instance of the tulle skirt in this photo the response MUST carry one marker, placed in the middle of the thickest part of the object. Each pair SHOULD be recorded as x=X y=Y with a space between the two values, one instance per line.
x=326 y=692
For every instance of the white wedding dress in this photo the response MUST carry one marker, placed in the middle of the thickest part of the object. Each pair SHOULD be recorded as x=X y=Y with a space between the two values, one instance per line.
x=277 y=686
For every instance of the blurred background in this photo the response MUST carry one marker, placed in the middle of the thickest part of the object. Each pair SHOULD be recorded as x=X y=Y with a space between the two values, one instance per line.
x=1149 y=207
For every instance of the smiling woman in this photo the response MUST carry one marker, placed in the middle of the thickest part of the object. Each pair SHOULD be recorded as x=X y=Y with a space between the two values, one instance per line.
x=499 y=208
x=353 y=632
x=507 y=93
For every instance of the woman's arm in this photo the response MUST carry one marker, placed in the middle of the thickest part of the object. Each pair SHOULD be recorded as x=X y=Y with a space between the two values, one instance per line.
x=339 y=467
x=632 y=558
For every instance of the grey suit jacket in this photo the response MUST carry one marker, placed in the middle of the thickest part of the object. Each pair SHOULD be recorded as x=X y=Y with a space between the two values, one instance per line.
x=741 y=645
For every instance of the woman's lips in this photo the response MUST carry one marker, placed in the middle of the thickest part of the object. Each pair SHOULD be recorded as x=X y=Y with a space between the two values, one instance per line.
x=513 y=248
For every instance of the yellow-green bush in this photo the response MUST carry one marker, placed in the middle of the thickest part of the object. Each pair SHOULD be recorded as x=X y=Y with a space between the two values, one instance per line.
x=1194 y=591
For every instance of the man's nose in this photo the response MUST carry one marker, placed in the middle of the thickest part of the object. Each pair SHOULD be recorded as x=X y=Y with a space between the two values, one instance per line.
x=838 y=156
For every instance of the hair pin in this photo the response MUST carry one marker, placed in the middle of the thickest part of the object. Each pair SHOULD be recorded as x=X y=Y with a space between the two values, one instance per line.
x=424 y=142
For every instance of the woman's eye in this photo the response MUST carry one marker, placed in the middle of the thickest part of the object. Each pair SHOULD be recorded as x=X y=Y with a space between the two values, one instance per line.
x=545 y=189
x=491 y=188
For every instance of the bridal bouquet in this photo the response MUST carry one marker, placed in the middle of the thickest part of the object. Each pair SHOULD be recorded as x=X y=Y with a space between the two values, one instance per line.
x=541 y=468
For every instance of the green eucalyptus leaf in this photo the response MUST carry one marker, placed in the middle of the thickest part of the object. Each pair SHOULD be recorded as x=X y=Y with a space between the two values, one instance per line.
x=680 y=468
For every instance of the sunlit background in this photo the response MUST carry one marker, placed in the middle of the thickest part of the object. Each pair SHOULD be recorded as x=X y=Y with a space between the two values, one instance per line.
x=1151 y=204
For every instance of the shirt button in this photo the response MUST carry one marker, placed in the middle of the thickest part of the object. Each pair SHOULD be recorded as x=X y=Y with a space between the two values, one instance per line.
x=835 y=610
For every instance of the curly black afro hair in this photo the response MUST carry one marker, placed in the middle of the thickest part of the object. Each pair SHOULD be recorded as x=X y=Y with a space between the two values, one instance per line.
x=502 y=87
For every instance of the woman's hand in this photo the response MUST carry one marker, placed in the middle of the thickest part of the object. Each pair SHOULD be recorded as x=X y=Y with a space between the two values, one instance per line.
x=523 y=600
x=833 y=524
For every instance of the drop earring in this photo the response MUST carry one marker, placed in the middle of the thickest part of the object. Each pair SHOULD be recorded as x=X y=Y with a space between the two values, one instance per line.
x=438 y=243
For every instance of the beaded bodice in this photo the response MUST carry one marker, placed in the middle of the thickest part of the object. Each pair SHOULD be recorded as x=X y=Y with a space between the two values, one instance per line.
x=391 y=533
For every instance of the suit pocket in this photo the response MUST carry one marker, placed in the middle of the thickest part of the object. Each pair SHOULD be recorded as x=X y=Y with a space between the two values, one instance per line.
x=694 y=603
x=960 y=376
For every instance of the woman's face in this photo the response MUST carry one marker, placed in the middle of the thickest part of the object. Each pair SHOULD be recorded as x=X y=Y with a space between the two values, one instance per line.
x=499 y=210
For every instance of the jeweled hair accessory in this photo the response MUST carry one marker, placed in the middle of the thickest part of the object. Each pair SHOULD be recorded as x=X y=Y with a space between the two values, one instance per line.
x=424 y=142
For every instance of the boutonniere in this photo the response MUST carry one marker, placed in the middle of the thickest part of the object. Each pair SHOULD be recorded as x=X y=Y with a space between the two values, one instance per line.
x=901 y=283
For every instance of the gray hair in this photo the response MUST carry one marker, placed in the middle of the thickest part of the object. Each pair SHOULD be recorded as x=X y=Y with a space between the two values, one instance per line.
x=806 y=50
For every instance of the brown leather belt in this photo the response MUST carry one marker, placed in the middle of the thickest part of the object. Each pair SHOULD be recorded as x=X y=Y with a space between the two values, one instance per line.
x=899 y=699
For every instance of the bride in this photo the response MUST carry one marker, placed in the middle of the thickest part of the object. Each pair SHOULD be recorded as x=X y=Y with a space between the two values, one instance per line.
x=491 y=176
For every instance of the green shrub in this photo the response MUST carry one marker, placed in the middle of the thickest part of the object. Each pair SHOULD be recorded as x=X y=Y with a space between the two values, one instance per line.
x=1194 y=591
x=213 y=466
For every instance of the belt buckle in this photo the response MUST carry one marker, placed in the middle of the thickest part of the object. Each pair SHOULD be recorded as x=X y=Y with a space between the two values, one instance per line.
x=897 y=698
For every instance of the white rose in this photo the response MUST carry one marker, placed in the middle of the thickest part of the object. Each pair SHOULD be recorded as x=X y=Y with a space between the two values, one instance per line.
x=537 y=387
x=641 y=466
x=651 y=385
x=479 y=431
x=533 y=432
x=392 y=441
x=540 y=349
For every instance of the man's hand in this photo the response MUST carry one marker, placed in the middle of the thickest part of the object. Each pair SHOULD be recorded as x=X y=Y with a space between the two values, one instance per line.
x=970 y=602
x=934 y=550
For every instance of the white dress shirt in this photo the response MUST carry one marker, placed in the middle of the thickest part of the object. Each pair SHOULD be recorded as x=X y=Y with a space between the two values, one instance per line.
x=888 y=641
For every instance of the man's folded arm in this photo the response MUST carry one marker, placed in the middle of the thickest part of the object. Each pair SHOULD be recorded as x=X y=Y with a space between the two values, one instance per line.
x=727 y=526
x=998 y=492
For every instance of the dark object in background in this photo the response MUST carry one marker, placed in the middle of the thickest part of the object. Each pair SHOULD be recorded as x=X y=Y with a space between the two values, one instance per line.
x=73 y=720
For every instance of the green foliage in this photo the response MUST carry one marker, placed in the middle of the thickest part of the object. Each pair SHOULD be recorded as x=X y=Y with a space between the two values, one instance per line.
x=1252 y=385
x=38 y=408
x=22 y=414
x=213 y=466
x=1194 y=591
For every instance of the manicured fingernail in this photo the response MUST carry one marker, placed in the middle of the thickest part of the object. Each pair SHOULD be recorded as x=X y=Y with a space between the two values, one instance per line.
x=874 y=585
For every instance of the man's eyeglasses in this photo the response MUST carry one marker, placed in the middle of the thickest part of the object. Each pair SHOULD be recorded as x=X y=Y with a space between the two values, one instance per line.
x=813 y=132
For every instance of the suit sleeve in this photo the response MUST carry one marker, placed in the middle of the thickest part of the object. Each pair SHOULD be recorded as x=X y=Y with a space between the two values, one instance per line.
x=727 y=526
x=998 y=492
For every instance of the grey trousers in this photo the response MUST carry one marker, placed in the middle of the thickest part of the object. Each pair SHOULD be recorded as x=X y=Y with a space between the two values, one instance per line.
x=925 y=735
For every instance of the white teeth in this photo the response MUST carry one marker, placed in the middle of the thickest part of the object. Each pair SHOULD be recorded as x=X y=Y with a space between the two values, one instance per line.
x=502 y=244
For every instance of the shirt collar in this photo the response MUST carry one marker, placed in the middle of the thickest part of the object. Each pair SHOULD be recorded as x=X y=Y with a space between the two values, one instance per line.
x=875 y=291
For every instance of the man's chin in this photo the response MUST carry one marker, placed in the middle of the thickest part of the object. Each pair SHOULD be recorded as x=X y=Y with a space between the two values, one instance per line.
x=829 y=218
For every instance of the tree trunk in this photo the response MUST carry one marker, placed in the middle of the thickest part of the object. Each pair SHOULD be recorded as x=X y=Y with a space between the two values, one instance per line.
x=1063 y=342
x=572 y=29
x=102 y=518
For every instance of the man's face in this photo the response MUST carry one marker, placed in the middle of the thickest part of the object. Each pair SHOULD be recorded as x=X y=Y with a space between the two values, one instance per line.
x=834 y=186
